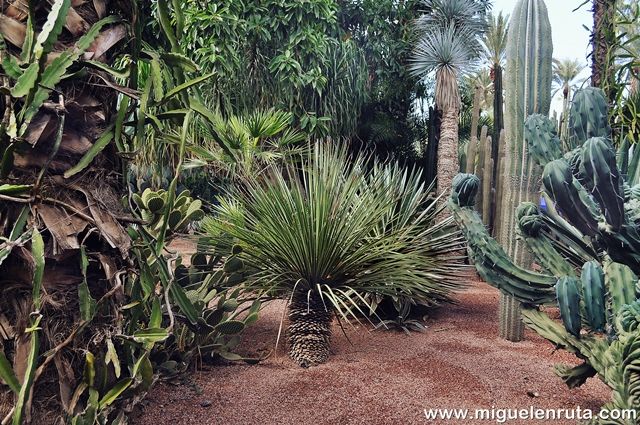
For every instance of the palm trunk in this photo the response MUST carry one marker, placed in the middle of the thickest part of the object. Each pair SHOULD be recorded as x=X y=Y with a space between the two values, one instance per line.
x=498 y=127
x=448 y=164
x=309 y=329
x=603 y=38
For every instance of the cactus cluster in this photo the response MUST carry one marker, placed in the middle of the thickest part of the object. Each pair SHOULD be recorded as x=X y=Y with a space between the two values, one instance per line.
x=153 y=209
x=586 y=238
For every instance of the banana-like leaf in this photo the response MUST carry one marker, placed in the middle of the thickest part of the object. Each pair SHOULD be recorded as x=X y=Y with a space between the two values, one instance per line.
x=97 y=147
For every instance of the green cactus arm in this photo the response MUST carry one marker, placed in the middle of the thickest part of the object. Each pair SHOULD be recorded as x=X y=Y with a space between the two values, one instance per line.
x=589 y=116
x=575 y=376
x=621 y=286
x=542 y=139
x=570 y=196
x=589 y=347
x=603 y=178
x=534 y=231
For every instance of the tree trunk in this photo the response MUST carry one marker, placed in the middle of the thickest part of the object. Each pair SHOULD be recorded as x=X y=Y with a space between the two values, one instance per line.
x=603 y=37
x=448 y=164
x=431 y=156
x=309 y=329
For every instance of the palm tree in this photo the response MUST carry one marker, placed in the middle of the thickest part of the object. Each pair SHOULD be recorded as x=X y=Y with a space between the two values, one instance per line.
x=495 y=51
x=565 y=71
x=603 y=38
x=448 y=45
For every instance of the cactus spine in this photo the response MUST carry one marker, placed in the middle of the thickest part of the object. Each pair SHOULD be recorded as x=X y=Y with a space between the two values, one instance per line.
x=528 y=86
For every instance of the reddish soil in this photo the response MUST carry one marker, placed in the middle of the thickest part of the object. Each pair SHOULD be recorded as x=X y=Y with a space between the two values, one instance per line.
x=381 y=377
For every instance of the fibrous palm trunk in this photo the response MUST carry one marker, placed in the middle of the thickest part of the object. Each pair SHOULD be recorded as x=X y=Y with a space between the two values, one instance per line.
x=309 y=329
x=448 y=164
x=603 y=38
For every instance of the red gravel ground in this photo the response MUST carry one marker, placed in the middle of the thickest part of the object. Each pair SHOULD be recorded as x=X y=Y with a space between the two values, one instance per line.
x=381 y=377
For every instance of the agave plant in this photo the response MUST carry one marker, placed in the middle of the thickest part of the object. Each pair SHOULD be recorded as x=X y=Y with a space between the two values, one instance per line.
x=326 y=234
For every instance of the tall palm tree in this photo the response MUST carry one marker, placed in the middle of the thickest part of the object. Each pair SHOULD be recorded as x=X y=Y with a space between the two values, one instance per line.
x=448 y=45
x=603 y=38
x=565 y=71
x=495 y=51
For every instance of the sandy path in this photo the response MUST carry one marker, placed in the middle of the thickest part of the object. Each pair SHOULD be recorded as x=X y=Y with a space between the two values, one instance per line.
x=384 y=378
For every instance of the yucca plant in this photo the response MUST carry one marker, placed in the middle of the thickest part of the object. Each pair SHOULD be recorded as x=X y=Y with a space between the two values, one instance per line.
x=448 y=44
x=329 y=232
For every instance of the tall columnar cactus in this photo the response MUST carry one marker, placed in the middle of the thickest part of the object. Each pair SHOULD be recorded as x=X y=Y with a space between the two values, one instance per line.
x=528 y=87
x=587 y=238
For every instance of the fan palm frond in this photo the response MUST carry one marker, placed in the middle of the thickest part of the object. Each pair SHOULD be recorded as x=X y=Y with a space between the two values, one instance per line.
x=565 y=71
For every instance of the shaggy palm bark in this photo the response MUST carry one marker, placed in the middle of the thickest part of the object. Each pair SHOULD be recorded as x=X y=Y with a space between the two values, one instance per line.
x=448 y=164
x=309 y=329
x=603 y=38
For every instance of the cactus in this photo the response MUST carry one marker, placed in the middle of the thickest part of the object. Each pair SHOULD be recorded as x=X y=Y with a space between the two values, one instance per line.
x=593 y=291
x=542 y=139
x=589 y=116
x=569 y=303
x=528 y=85
x=602 y=175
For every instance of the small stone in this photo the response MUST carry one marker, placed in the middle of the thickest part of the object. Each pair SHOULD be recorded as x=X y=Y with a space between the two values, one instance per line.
x=533 y=394
x=205 y=403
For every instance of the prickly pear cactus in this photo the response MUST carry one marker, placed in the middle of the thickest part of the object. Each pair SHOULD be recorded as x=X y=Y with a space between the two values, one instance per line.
x=153 y=209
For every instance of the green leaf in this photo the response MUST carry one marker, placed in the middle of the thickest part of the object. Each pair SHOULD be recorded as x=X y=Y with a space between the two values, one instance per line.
x=51 y=28
x=177 y=59
x=89 y=373
x=87 y=302
x=116 y=73
x=54 y=72
x=26 y=81
x=14 y=189
x=151 y=335
x=87 y=158
x=184 y=86
x=183 y=302
x=7 y=374
x=115 y=392
x=37 y=251
x=155 y=321
x=11 y=67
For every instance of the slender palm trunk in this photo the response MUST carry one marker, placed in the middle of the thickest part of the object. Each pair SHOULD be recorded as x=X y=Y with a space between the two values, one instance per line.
x=448 y=164
x=309 y=329
x=603 y=38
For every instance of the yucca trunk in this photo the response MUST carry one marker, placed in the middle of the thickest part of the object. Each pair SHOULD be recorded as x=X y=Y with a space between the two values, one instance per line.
x=309 y=329
x=448 y=164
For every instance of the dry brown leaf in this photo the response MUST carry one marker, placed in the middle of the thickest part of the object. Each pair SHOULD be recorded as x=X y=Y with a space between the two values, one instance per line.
x=18 y=10
x=101 y=8
x=63 y=227
x=37 y=127
x=75 y=143
x=75 y=23
x=105 y=41
x=12 y=31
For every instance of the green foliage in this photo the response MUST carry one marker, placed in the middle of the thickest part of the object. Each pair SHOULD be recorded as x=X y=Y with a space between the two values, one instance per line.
x=348 y=233
x=287 y=55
